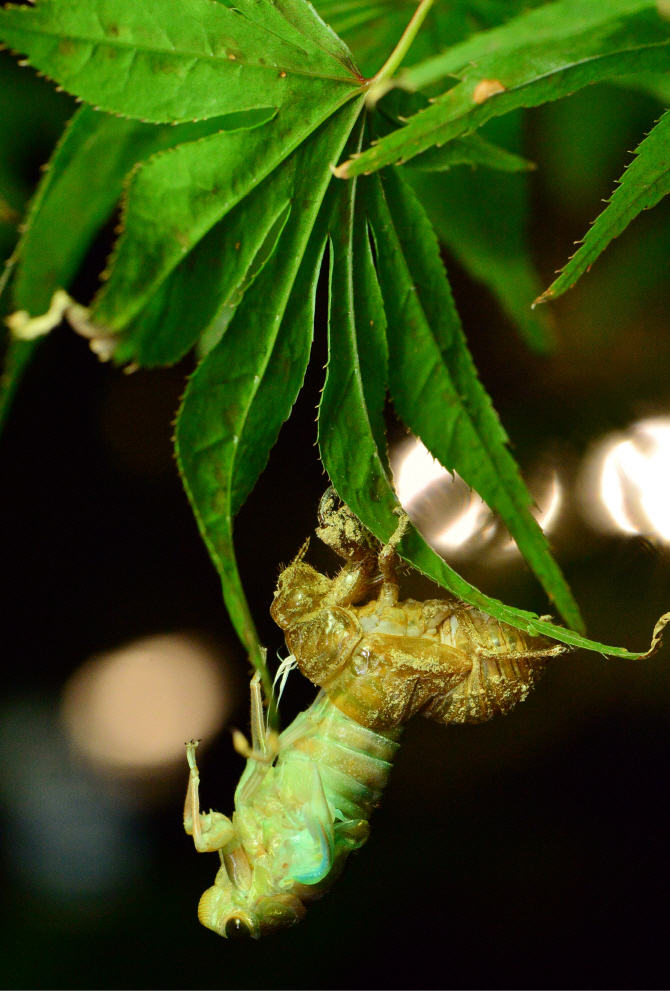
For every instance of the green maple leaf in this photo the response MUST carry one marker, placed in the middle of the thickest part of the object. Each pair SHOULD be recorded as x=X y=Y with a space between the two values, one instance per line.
x=644 y=184
x=219 y=129
x=539 y=56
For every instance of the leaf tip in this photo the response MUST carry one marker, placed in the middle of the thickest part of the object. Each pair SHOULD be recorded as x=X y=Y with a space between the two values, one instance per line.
x=657 y=636
x=544 y=298
x=341 y=171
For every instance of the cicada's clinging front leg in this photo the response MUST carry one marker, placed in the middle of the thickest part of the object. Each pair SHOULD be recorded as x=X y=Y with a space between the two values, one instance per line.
x=343 y=532
x=211 y=830
x=388 y=562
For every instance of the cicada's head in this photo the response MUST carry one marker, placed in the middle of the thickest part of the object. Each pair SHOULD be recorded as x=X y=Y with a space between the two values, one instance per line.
x=300 y=590
x=236 y=916
x=340 y=529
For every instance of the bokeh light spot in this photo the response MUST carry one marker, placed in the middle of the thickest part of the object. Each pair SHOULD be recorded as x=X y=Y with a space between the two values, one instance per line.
x=453 y=518
x=134 y=708
x=470 y=522
x=416 y=471
x=625 y=481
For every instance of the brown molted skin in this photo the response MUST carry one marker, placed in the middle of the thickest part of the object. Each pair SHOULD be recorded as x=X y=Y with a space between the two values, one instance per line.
x=320 y=637
x=456 y=665
x=300 y=592
x=389 y=679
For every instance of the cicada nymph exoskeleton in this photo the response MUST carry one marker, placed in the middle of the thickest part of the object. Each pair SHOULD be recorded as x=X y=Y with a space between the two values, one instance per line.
x=305 y=798
x=381 y=660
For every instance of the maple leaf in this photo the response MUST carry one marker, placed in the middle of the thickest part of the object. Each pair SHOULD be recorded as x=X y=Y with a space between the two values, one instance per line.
x=226 y=133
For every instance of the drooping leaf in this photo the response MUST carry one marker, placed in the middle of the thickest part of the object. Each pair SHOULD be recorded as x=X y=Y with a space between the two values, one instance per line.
x=177 y=197
x=204 y=290
x=355 y=307
x=434 y=384
x=370 y=326
x=352 y=400
x=539 y=56
x=351 y=407
x=244 y=389
x=85 y=179
x=266 y=247
x=644 y=183
x=32 y=116
x=483 y=220
x=170 y=61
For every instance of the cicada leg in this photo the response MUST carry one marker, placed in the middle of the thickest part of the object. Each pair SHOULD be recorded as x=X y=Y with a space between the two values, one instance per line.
x=388 y=562
x=263 y=749
x=344 y=533
x=211 y=830
x=483 y=647
x=264 y=742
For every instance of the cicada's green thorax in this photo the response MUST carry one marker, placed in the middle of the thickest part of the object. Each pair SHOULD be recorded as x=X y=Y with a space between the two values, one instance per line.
x=296 y=822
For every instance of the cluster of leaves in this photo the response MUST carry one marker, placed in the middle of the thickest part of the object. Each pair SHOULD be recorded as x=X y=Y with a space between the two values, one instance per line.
x=219 y=129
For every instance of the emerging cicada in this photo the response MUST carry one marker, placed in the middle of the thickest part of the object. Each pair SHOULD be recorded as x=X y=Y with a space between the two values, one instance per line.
x=305 y=798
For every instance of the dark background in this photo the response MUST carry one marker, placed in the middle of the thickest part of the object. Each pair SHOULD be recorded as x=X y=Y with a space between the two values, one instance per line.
x=528 y=852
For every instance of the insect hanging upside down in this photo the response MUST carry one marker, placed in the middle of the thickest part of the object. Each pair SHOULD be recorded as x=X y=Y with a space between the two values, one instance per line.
x=305 y=798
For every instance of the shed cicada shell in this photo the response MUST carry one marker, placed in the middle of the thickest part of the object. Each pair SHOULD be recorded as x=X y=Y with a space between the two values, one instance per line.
x=305 y=798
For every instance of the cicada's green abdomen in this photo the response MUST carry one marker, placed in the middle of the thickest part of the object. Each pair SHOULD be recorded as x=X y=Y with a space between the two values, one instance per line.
x=295 y=822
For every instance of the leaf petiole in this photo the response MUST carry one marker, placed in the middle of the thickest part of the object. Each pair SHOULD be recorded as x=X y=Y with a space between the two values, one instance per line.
x=381 y=82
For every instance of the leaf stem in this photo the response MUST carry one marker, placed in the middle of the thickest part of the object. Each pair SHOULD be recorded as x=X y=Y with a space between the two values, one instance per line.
x=379 y=84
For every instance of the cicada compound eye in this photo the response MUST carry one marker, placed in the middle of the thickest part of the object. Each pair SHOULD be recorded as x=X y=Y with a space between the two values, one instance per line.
x=237 y=928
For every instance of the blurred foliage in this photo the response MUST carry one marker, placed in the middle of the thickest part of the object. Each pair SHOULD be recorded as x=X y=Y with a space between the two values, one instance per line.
x=32 y=119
